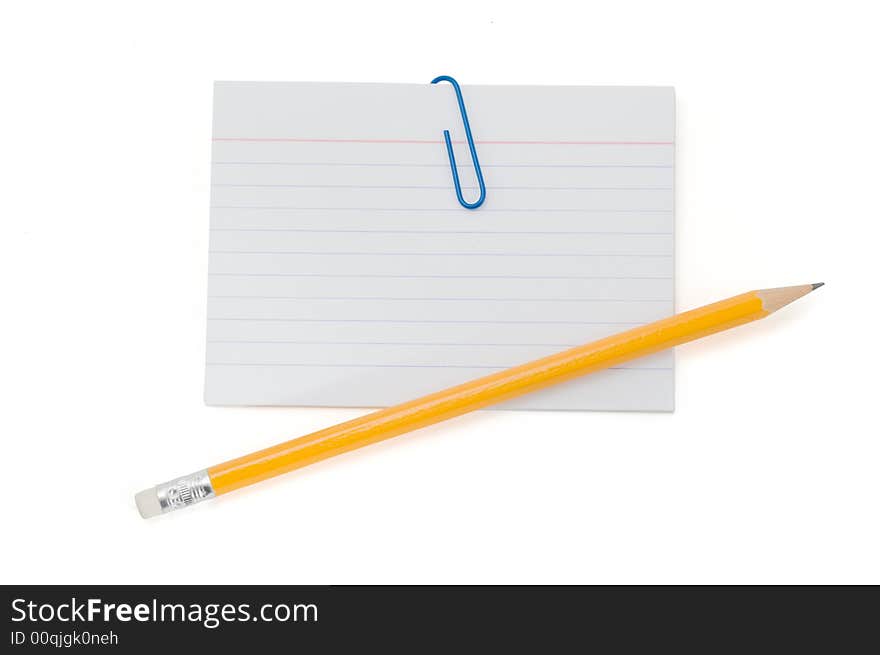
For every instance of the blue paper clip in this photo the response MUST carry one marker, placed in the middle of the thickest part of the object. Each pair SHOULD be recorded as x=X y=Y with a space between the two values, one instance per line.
x=470 y=142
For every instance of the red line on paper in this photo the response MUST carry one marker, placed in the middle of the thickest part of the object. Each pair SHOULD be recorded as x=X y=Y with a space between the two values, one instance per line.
x=436 y=141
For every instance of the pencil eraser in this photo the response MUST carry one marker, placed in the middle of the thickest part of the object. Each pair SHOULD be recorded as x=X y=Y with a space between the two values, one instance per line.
x=148 y=503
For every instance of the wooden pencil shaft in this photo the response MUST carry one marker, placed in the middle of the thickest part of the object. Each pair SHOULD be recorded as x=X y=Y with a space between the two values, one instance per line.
x=498 y=387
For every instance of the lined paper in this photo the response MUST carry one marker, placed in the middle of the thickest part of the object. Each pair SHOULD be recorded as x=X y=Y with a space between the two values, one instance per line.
x=343 y=271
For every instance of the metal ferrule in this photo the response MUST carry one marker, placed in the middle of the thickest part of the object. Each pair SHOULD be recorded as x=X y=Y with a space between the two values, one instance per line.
x=184 y=491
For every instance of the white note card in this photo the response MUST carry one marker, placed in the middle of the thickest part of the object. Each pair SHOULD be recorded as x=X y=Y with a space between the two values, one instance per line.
x=344 y=272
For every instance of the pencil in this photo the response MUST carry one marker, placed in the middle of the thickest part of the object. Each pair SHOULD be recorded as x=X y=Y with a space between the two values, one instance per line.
x=481 y=392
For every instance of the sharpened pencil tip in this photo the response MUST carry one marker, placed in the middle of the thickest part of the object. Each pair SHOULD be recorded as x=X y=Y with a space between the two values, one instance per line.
x=816 y=285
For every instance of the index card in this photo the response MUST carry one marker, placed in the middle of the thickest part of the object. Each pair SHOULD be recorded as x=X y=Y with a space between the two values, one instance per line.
x=343 y=271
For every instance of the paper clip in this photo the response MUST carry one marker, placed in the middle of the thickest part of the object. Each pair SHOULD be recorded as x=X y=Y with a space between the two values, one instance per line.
x=470 y=142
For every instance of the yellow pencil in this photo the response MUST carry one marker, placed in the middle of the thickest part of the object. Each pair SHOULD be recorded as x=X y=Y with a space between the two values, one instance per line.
x=482 y=392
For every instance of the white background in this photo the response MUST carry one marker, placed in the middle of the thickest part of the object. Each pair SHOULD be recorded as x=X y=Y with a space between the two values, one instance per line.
x=766 y=473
